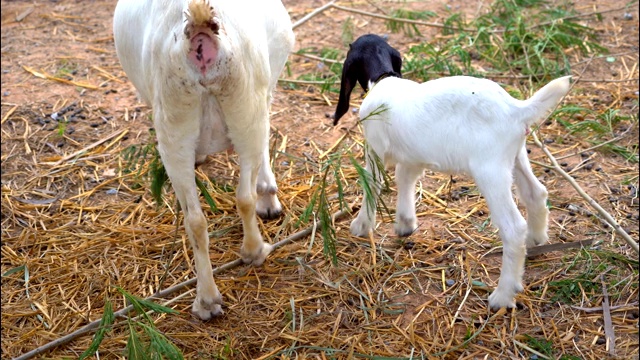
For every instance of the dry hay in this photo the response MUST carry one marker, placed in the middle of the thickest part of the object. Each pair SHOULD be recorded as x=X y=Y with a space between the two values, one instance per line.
x=80 y=224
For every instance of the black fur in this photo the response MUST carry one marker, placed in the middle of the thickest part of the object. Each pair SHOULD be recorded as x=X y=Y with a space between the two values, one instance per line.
x=369 y=59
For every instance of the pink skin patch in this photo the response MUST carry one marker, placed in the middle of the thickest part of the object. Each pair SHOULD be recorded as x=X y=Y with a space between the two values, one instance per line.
x=203 y=51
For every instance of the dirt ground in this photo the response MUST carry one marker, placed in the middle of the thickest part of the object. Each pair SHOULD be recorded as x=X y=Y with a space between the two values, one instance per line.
x=75 y=223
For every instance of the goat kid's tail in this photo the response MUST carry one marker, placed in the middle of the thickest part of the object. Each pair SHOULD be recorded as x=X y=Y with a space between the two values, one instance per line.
x=545 y=99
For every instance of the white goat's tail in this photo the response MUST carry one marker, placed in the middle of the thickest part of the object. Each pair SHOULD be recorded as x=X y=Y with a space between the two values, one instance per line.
x=545 y=99
x=199 y=12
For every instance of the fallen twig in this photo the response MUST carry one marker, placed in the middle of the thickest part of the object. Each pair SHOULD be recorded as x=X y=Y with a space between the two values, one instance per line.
x=610 y=220
x=542 y=249
x=611 y=308
x=609 y=334
x=312 y=14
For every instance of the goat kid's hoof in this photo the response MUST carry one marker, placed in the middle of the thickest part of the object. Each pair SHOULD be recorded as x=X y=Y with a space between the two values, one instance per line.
x=498 y=300
x=404 y=228
x=360 y=228
x=256 y=256
x=207 y=309
x=533 y=240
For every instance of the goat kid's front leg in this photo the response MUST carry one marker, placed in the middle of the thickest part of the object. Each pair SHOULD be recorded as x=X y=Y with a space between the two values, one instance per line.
x=366 y=219
x=406 y=178
x=176 y=144
x=495 y=184
x=534 y=196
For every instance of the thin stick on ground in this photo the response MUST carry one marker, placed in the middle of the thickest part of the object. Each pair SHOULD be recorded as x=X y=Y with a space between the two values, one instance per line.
x=161 y=294
x=312 y=14
x=594 y=204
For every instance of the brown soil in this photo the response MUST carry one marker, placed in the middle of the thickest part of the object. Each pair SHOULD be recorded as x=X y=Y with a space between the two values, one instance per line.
x=80 y=224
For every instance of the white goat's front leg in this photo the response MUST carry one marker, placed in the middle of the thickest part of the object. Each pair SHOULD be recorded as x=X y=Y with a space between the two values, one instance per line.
x=268 y=205
x=495 y=183
x=406 y=178
x=366 y=219
x=534 y=196
x=177 y=141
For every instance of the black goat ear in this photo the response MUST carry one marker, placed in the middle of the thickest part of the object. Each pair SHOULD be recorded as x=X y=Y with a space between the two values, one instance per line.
x=348 y=81
x=396 y=62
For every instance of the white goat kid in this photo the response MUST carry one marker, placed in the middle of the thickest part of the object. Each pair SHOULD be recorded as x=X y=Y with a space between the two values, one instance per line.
x=208 y=69
x=460 y=125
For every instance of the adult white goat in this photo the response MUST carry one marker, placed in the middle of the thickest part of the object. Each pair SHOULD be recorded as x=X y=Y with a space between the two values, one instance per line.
x=208 y=69
x=455 y=125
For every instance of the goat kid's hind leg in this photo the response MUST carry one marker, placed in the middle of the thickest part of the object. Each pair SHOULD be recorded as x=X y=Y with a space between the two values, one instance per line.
x=406 y=178
x=496 y=188
x=366 y=219
x=534 y=196
x=268 y=206
x=177 y=150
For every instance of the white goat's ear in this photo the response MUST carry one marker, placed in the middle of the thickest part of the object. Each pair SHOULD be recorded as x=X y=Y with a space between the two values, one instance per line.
x=348 y=81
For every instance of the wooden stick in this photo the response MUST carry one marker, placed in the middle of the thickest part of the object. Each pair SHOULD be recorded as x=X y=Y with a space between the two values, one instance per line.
x=91 y=146
x=538 y=250
x=586 y=196
x=609 y=334
x=160 y=294
x=312 y=14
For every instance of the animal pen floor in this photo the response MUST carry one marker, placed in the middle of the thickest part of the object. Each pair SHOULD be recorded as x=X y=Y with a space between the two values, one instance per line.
x=78 y=218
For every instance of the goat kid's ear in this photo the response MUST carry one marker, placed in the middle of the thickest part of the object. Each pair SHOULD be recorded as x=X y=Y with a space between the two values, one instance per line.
x=348 y=81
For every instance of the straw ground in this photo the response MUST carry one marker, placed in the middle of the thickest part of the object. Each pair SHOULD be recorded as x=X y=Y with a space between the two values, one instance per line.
x=79 y=219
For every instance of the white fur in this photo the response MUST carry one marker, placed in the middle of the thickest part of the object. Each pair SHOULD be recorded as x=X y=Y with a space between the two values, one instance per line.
x=196 y=114
x=461 y=125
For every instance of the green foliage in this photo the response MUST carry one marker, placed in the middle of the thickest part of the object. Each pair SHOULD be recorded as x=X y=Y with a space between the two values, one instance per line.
x=144 y=341
x=105 y=326
x=410 y=30
x=543 y=346
x=348 y=28
x=598 y=128
x=589 y=265
x=320 y=206
x=147 y=165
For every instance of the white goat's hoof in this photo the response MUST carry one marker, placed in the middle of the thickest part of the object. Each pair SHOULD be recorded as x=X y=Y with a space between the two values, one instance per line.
x=405 y=226
x=360 y=227
x=536 y=240
x=268 y=206
x=206 y=309
x=257 y=255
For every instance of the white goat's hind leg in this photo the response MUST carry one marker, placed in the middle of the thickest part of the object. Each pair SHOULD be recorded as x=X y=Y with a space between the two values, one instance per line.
x=254 y=250
x=177 y=149
x=495 y=184
x=268 y=205
x=366 y=219
x=534 y=196
x=406 y=177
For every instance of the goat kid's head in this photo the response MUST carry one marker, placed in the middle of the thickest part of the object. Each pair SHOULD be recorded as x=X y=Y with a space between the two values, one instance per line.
x=368 y=60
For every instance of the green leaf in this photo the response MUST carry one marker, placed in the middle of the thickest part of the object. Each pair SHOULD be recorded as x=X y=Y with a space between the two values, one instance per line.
x=106 y=322
x=160 y=344
x=14 y=270
x=206 y=195
x=135 y=347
